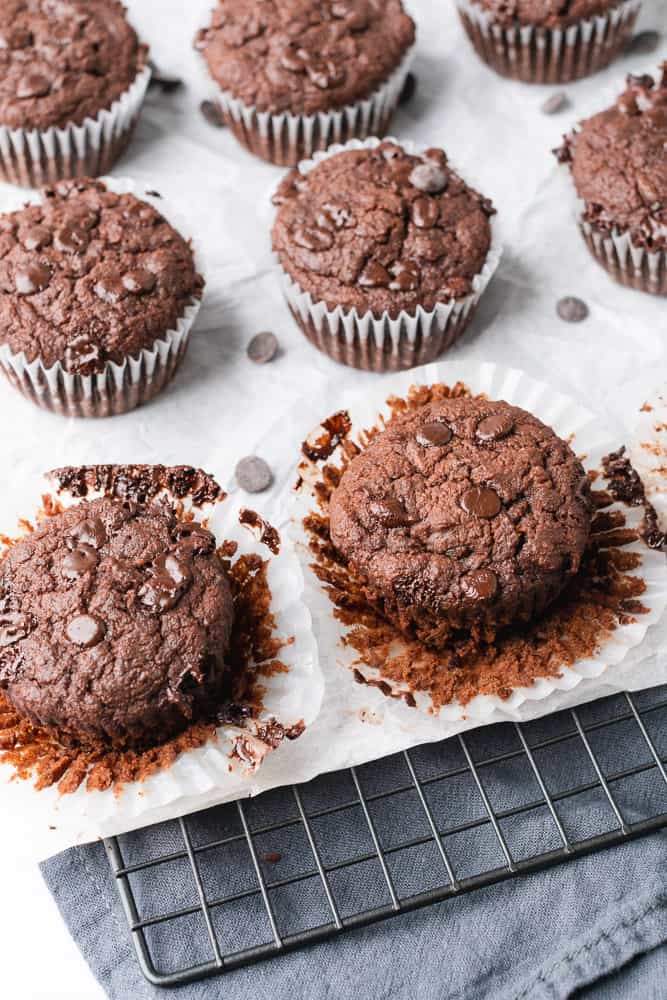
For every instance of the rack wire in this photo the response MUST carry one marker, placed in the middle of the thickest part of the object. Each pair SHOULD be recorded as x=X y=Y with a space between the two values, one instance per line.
x=257 y=878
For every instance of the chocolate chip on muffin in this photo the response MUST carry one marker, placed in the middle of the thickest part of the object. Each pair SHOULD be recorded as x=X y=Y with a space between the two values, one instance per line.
x=115 y=619
x=462 y=514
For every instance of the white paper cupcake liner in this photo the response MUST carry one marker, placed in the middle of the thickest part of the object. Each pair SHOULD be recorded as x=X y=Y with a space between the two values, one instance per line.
x=32 y=158
x=120 y=387
x=590 y=438
x=286 y=138
x=549 y=55
x=206 y=775
x=382 y=343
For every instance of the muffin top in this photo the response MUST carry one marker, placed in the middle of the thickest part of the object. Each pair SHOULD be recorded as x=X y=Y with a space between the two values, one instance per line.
x=544 y=13
x=62 y=61
x=381 y=230
x=618 y=162
x=463 y=510
x=89 y=276
x=114 y=621
x=304 y=56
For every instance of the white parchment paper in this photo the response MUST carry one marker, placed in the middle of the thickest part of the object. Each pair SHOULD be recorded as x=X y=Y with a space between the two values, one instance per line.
x=220 y=404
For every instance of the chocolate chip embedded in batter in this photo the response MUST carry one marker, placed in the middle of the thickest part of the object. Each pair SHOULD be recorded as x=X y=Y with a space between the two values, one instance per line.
x=314 y=238
x=405 y=276
x=253 y=474
x=110 y=288
x=374 y=275
x=262 y=348
x=389 y=512
x=428 y=177
x=85 y=630
x=89 y=532
x=31 y=279
x=193 y=539
x=71 y=239
x=37 y=237
x=13 y=626
x=33 y=85
x=425 y=212
x=495 y=427
x=171 y=578
x=139 y=281
x=480 y=585
x=434 y=434
x=78 y=561
x=572 y=309
x=481 y=501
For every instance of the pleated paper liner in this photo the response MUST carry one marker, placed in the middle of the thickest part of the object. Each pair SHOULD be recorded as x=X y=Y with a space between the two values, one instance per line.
x=381 y=343
x=631 y=265
x=340 y=658
x=33 y=158
x=120 y=387
x=549 y=55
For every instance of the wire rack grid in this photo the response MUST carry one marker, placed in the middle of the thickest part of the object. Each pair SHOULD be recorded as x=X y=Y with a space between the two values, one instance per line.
x=257 y=878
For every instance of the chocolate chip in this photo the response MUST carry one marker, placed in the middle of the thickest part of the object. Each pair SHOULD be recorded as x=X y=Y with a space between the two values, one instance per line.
x=428 y=177
x=389 y=512
x=314 y=238
x=139 y=281
x=13 y=626
x=555 y=103
x=433 y=434
x=405 y=276
x=292 y=61
x=325 y=73
x=194 y=539
x=495 y=427
x=409 y=89
x=165 y=81
x=212 y=113
x=90 y=532
x=171 y=576
x=16 y=38
x=262 y=348
x=78 y=561
x=32 y=85
x=71 y=239
x=481 y=501
x=36 y=238
x=425 y=212
x=110 y=288
x=253 y=474
x=480 y=585
x=82 y=356
x=85 y=630
x=374 y=275
x=643 y=43
x=31 y=279
x=572 y=309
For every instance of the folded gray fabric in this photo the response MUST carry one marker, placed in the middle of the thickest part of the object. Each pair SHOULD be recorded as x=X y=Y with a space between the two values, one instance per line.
x=593 y=927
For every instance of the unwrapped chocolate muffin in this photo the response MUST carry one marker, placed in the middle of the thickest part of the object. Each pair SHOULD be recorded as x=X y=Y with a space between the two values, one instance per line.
x=296 y=76
x=548 y=41
x=383 y=253
x=619 y=167
x=463 y=516
x=98 y=293
x=115 y=619
x=73 y=76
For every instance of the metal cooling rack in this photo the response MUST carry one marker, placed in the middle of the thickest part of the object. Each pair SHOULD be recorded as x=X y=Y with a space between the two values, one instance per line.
x=254 y=879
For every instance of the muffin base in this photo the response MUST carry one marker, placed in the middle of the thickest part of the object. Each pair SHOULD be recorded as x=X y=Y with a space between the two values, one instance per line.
x=35 y=158
x=629 y=265
x=549 y=55
x=285 y=139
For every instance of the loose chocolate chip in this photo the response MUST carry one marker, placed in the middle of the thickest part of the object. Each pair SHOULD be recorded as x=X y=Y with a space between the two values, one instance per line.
x=481 y=501
x=253 y=474
x=374 y=275
x=428 y=177
x=555 y=103
x=425 y=212
x=262 y=348
x=71 y=239
x=643 y=43
x=212 y=113
x=409 y=89
x=13 y=626
x=90 y=532
x=31 y=279
x=389 y=512
x=139 y=280
x=85 y=630
x=154 y=194
x=78 y=561
x=32 y=85
x=36 y=237
x=480 y=585
x=434 y=434
x=495 y=427
x=572 y=309
x=165 y=81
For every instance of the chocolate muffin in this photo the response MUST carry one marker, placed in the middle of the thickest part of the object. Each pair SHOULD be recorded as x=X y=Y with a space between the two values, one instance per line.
x=115 y=619
x=548 y=41
x=98 y=291
x=619 y=168
x=384 y=253
x=296 y=76
x=73 y=75
x=464 y=514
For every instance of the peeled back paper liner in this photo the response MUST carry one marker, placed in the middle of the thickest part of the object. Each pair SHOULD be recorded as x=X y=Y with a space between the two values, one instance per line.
x=286 y=138
x=210 y=774
x=120 y=387
x=382 y=343
x=32 y=158
x=590 y=439
x=549 y=55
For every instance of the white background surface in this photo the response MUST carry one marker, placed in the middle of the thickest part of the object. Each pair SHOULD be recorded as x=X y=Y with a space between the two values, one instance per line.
x=220 y=403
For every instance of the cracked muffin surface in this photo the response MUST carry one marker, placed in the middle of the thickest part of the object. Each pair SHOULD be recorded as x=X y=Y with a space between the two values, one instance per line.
x=382 y=230
x=462 y=514
x=115 y=619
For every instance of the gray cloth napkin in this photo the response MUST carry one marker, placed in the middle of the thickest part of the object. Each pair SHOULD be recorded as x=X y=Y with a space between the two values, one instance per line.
x=594 y=927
